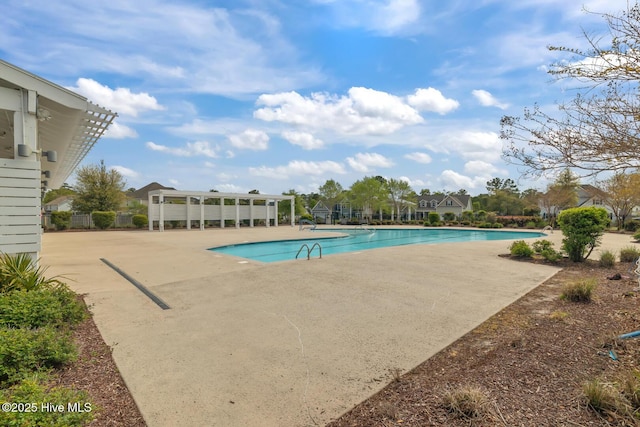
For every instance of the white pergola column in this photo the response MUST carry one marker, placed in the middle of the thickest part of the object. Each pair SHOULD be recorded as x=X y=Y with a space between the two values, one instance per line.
x=266 y=206
x=161 y=209
x=293 y=212
x=188 y=199
x=221 y=212
x=202 y=213
x=149 y=210
x=250 y=212
x=237 y=213
x=275 y=205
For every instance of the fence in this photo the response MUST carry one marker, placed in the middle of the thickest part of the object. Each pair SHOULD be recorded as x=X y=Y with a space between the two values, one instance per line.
x=123 y=220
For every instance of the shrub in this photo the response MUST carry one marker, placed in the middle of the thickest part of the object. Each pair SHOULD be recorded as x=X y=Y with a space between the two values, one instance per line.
x=632 y=225
x=629 y=254
x=103 y=220
x=496 y=225
x=21 y=272
x=492 y=217
x=583 y=229
x=541 y=245
x=24 y=351
x=54 y=306
x=485 y=225
x=481 y=215
x=467 y=402
x=551 y=255
x=434 y=218
x=520 y=249
x=61 y=219
x=607 y=259
x=601 y=397
x=140 y=220
x=530 y=225
x=448 y=216
x=637 y=236
x=31 y=392
x=579 y=291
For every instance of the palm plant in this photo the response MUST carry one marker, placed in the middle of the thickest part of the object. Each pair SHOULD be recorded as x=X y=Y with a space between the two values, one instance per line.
x=22 y=272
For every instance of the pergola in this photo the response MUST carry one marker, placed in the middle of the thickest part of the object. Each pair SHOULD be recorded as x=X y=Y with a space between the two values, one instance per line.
x=176 y=205
x=45 y=132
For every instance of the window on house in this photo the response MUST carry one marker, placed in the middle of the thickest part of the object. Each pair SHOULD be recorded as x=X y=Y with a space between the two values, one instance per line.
x=433 y=203
x=449 y=203
x=597 y=202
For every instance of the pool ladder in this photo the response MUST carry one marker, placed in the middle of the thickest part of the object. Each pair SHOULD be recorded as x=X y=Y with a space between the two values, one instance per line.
x=309 y=250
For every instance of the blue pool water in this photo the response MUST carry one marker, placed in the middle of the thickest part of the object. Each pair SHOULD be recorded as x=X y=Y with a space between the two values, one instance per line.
x=363 y=239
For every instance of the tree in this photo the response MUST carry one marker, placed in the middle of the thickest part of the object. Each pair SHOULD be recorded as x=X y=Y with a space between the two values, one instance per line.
x=330 y=192
x=497 y=184
x=98 y=189
x=596 y=131
x=400 y=193
x=285 y=205
x=65 y=190
x=582 y=229
x=425 y=192
x=370 y=194
x=622 y=193
x=560 y=195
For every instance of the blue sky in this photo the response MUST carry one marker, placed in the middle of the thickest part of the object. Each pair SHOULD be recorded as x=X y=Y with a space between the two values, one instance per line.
x=280 y=94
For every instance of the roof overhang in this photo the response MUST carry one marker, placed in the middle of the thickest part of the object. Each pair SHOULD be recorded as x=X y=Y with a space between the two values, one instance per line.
x=68 y=123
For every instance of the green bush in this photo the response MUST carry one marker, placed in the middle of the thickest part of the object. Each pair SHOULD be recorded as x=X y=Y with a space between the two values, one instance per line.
x=530 y=225
x=541 y=245
x=632 y=225
x=521 y=249
x=496 y=225
x=607 y=259
x=637 y=236
x=306 y=216
x=103 y=220
x=61 y=219
x=24 y=351
x=579 y=291
x=54 y=307
x=449 y=216
x=434 y=218
x=21 y=272
x=629 y=254
x=551 y=255
x=33 y=392
x=583 y=229
x=140 y=221
x=485 y=225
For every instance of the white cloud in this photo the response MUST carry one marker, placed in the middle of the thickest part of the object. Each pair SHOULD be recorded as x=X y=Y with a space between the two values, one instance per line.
x=414 y=183
x=229 y=188
x=419 y=157
x=126 y=172
x=361 y=112
x=487 y=100
x=250 y=139
x=472 y=145
x=191 y=149
x=479 y=167
x=453 y=181
x=174 y=182
x=121 y=100
x=431 y=99
x=303 y=139
x=298 y=168
x=118 y=131
x=365 y=162
x=387 y=17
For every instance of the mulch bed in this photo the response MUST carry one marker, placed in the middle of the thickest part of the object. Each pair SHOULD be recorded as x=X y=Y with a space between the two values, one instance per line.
x=530 y=361
x=96 y=373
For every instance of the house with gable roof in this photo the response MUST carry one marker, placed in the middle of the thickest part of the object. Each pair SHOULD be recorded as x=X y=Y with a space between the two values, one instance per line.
x=455 y=203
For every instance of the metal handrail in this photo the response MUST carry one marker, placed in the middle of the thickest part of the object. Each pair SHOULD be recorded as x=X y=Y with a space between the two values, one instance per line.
x=309 y=250
x=319 y=248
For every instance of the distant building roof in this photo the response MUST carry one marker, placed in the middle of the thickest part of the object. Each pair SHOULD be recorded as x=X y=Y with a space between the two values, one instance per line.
x=143 y=193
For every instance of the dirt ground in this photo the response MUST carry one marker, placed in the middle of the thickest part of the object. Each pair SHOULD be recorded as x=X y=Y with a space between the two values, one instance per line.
x=529 y=362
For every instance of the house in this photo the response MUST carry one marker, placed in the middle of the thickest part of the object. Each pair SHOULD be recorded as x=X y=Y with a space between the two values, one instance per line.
x=321 y=213
x=62 y=203
x=441 y=203
x=588 y=196
x=45 y=132
x=141 y=195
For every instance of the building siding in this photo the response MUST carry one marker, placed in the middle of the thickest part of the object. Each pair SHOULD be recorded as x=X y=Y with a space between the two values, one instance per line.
x=20 y=208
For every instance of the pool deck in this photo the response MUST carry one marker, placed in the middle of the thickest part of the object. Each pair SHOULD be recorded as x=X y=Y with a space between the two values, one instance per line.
x=287 y=343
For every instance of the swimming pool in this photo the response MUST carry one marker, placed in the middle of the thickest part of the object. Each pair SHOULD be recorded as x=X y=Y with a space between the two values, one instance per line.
x=358 y=239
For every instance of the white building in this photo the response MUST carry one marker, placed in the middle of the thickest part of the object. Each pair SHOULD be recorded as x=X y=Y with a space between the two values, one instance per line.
x=45 y=132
